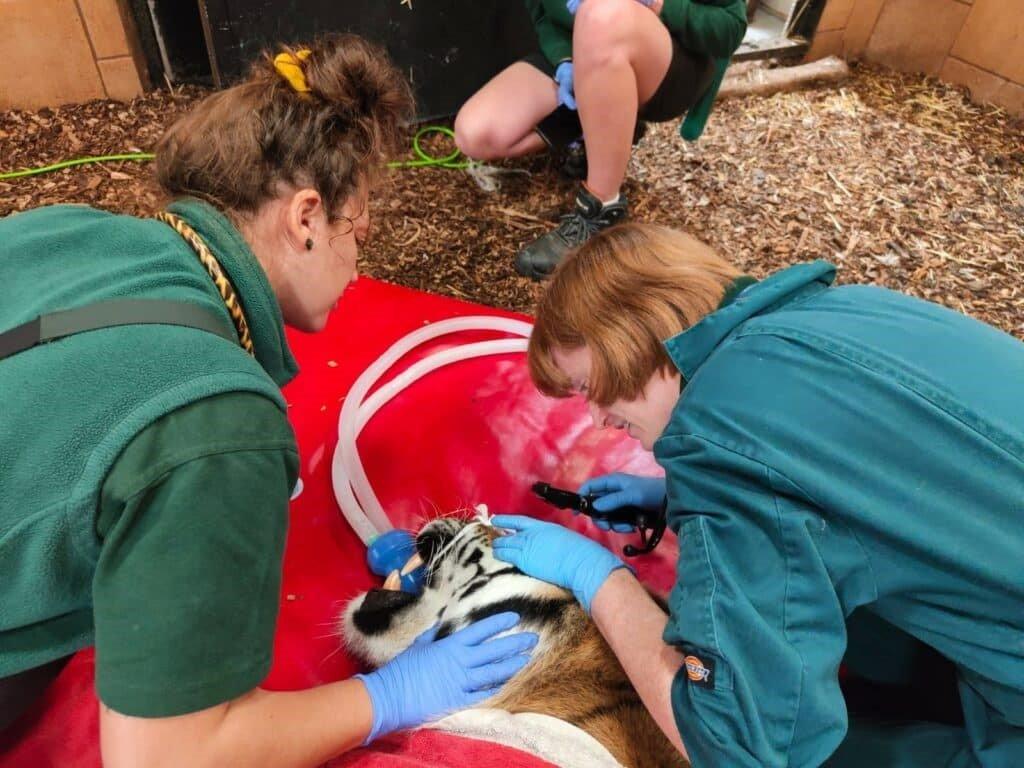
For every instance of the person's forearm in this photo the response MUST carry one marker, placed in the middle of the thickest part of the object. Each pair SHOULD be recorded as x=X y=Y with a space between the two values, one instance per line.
x=295 y=729
x=632 y=623
x=300 y=728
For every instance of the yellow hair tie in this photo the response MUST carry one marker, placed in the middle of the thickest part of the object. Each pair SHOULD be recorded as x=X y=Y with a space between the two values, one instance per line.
x=289 y=67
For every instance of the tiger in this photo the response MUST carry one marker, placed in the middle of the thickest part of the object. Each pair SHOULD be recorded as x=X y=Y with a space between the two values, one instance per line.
x=572 y=674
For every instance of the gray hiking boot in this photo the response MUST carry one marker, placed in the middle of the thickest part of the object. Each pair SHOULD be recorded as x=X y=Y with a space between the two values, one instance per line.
x=539 y=258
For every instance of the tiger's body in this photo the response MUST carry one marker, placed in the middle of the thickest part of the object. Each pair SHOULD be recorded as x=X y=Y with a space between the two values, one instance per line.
x=573 y=674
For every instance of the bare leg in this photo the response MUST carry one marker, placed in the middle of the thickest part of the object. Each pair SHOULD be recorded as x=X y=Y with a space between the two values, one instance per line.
x=498 y=120
x=621 y=52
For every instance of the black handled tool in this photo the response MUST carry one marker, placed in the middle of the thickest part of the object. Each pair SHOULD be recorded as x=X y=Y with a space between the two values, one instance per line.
x=650 y=525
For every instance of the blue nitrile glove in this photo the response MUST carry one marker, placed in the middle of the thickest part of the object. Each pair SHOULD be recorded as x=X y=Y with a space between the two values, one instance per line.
x=621 y=490
x=433 y=677
x=553 y=553
x=563 y=76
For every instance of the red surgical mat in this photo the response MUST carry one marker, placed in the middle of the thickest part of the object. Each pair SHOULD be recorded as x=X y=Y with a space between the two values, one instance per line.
x=473 y=432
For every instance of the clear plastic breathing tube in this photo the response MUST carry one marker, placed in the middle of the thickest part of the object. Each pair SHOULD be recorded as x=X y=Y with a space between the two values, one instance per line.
x=352 y=488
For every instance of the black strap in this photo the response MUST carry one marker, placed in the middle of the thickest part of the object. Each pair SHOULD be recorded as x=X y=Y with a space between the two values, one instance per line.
x=110 y=314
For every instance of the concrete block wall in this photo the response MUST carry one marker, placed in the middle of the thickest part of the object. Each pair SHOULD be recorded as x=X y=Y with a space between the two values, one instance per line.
x=975 y=43
x=66 y=51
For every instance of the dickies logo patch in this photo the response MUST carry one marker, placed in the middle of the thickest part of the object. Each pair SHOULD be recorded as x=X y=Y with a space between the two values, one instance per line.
x=700 y=671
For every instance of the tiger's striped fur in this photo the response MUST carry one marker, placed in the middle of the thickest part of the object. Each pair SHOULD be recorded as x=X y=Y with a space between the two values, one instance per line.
x=573 y=674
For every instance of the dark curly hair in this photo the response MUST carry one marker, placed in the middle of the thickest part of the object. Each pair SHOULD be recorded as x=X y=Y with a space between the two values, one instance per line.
x=238 y=145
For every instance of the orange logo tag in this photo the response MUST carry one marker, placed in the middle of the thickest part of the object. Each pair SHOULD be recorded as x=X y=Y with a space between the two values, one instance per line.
x=700 y=671
x=695 y=669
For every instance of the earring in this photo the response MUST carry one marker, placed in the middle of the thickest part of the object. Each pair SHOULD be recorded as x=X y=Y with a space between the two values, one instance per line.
x=309 y=243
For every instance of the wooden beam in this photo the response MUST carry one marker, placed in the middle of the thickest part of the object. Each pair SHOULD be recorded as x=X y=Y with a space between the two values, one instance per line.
x=784 y=79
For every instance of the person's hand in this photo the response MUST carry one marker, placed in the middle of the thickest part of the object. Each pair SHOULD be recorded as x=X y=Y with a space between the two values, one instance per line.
x=553 y=553
x=621 y=490
x=433 y=677
x=563 y=76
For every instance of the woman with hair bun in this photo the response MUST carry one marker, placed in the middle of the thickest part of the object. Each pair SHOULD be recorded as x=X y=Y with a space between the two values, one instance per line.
x=147 y=465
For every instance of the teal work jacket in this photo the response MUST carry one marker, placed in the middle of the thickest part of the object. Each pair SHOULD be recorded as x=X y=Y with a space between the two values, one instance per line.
x=837 y=448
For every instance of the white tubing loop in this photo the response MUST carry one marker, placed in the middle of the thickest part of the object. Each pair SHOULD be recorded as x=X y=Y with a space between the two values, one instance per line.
x=352 y=489
x=365 y=496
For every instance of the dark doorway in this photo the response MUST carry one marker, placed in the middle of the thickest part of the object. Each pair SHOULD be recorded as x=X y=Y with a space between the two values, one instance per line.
x=448 y=48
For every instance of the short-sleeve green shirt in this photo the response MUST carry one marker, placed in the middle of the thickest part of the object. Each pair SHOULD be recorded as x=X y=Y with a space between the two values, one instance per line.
x=192 y=517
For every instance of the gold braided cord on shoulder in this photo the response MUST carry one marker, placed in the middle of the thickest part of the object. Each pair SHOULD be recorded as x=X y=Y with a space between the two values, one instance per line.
x=220 y=278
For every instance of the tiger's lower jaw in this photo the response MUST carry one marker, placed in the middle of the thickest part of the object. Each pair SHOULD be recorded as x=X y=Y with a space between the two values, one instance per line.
x=378 y=606
x=380 y=624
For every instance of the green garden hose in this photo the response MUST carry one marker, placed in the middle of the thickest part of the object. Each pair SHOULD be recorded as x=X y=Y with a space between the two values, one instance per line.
x=139 y=156
x=422 y=160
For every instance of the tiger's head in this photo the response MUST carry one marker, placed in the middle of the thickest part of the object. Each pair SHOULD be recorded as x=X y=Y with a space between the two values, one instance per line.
x=465 y=583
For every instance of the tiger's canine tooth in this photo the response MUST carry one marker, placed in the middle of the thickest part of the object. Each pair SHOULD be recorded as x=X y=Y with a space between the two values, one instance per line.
x=393 y=581
x=412 y=564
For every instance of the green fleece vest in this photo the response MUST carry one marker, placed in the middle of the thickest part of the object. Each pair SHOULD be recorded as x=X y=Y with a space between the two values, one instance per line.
x=68 y=408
